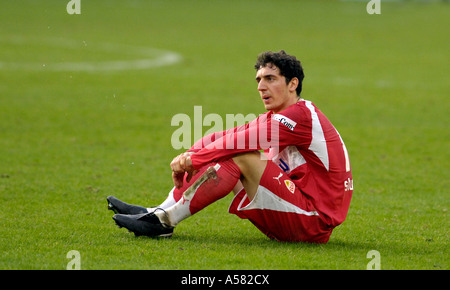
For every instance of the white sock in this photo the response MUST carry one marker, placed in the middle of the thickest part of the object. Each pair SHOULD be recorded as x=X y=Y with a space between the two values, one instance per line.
x=181 y=210
x=166 y=204
x=176 y=213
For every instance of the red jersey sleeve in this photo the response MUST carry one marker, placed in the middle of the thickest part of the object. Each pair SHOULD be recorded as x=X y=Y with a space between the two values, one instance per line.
x=253 y=136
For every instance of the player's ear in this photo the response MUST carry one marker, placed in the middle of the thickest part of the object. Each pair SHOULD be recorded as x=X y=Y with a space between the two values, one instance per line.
x=293 y=84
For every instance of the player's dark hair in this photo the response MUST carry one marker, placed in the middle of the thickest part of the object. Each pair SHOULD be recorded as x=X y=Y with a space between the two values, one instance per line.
x=290 y=67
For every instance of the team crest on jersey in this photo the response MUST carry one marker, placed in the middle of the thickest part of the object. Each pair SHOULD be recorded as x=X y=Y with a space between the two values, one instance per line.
x=285 y=121
x=290 y=185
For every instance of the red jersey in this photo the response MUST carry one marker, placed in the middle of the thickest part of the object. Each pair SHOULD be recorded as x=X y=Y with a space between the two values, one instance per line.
x=303 y=143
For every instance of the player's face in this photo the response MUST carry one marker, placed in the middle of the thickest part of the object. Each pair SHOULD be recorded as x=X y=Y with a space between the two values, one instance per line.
x=275 y=93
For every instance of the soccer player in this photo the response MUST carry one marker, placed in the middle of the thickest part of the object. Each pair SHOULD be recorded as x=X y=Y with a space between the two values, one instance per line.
x=297 y=190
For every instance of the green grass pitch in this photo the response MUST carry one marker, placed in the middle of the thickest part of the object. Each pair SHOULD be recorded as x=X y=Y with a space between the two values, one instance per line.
x=71 y=135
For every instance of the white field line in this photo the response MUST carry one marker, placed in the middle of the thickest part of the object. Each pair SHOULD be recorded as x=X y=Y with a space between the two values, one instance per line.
x=145 y=57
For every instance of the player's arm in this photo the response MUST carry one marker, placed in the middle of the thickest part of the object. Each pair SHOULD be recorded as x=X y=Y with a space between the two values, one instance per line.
x=210 y=138
x=256 y=136
x=233 y=141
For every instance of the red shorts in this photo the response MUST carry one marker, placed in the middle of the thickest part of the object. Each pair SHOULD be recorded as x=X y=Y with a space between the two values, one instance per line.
x=280 y=210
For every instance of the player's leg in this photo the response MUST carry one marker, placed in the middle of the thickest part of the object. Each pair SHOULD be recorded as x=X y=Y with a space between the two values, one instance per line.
x=245 y=162
x=213 y=189
x=252 y=167
x=121 y=207
x=177 y=193
x=244 y=170
x=162 y=221
x=280 y=210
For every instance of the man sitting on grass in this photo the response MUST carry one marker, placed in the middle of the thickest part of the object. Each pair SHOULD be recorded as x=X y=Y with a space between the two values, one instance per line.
x=298 y=190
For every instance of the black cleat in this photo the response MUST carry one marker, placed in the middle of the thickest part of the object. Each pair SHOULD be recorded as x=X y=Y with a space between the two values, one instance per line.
x=146 y=224
x=120 y=207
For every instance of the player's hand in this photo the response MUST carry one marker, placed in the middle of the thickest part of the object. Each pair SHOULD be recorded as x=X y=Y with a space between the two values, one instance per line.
x=180 y=165
x=178 y=179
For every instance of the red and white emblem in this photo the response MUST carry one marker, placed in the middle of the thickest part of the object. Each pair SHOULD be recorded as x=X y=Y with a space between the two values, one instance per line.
x=290 y=185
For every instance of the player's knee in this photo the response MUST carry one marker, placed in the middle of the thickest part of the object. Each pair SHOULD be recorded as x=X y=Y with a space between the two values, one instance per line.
x=250 y=161
x=246 y=158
